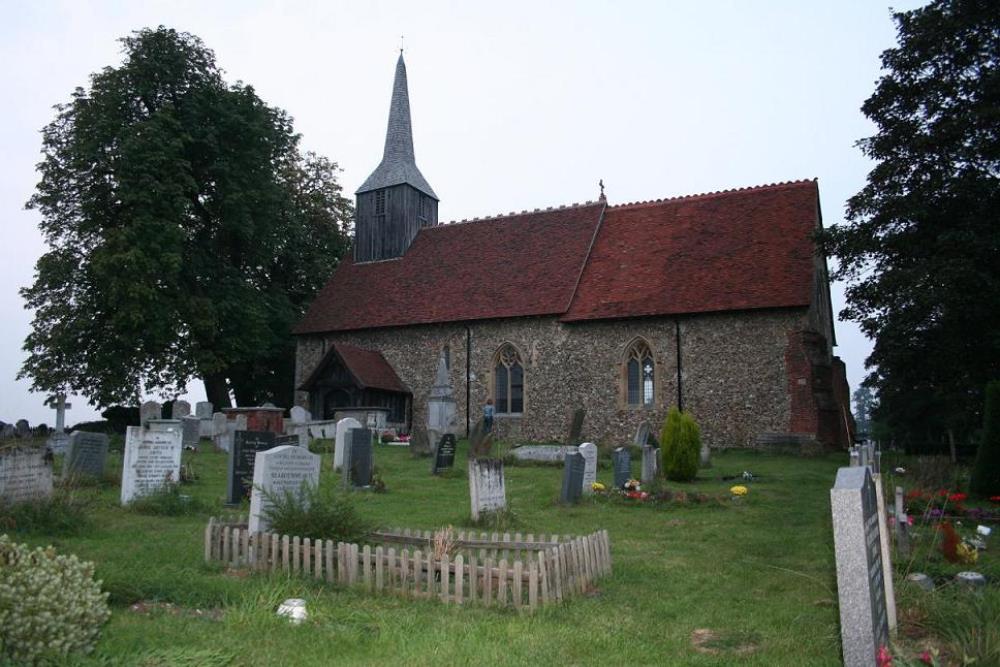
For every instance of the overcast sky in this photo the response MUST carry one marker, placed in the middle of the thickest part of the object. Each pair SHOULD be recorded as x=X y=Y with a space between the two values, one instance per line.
x=515 y=105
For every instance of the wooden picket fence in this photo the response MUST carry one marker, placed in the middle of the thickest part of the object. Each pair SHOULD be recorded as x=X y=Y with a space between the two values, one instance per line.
x=493 y=570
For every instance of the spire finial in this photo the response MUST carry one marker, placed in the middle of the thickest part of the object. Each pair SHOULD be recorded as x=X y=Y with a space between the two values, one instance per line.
x=601 y=183
x=400 y=45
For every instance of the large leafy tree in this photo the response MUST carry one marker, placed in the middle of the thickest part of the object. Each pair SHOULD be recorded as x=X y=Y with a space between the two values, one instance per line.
x=186 y=231
x=921 y=252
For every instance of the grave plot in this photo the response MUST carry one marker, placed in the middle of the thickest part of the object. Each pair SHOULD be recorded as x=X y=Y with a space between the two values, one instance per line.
x=523 y=572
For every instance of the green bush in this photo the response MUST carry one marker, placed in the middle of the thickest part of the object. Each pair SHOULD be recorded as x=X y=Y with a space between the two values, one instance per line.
x=63 y=513
x=50 y=605
x=681 y=442
x=326 y=514
x=167 y=501
x=986 y=471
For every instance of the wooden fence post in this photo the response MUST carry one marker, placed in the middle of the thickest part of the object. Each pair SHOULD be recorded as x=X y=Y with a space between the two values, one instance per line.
x=459 y=572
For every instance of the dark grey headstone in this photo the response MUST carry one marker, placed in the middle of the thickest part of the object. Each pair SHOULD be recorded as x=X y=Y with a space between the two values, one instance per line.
x=86 y=454
x=576 y=426
x=444 y=454
x=358 y=458
x=864 y=620
x=622 y=460
x=190 y=430
x=245 y=446
x=572 y=478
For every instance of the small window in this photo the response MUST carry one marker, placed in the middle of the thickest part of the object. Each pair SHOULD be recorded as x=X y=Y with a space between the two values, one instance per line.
x=379 y=202
x=508 y=381
x=639 y=370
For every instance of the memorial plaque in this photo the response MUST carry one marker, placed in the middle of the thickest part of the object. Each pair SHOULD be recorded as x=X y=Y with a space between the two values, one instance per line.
x=487 y=490
x=589 y=452
x=191 y=431
x=864 y=623
x=649 y=454
x=358 y=458
x=285 y=469
x=622 y=460
x=340 y=441
x=25 y=474
x=242 y=455
x=152 y=460
x=572 y=479
x=444 y=454
x=86 y=454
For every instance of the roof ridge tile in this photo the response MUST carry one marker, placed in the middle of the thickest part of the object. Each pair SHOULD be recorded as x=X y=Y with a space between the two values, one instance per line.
x=514 y=214
x=714 y=193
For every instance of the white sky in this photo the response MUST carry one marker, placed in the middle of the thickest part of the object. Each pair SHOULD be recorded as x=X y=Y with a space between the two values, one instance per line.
x=515 y=104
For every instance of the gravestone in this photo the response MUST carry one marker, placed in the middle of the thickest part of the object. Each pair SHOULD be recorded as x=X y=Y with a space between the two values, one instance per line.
x=181 y=410
x=864 y=622
x=291 y=440
x=242 y=454
x=25 y=474
x=224 y=441
x=705 y=455
x=299 y=415
x=572 y=482
x=7 y=431
x=487 y=491
x=340 y=443
x=576 y=426
x=190 y=431
x=444 y=454
x=358 y=458
x=203 y=409
x=149 y=410
x=441 y=407
x=902 y=525
x=325 y=429
x=589 y=452
x=152 y=460
x=86 y=454
x=622 y=461
x=542 y=453
x=22 y=429
x=649 y=454
x=218 y=424
x=642 y=435
x=275 y=472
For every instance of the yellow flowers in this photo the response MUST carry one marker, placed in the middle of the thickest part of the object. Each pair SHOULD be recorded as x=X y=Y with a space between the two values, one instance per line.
x=598 y=487
x=966 y=553
x=739 y=490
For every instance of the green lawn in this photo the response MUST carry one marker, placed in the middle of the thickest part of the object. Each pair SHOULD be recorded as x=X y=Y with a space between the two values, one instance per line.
x=761 y=571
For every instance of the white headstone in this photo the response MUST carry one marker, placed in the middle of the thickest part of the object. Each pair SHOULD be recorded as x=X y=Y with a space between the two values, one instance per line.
x=299 y=414
x=277 y=471
x=487 y=491
x=25 y=474
x=152 y=459
x=589 y=452
x=182 y=409
x=340 y=445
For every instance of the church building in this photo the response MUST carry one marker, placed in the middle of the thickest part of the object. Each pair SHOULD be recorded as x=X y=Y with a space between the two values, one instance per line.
x=717 y=303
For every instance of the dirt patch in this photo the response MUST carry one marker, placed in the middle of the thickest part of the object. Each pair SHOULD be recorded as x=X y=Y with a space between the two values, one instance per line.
x=715 y=642
x=146 y=607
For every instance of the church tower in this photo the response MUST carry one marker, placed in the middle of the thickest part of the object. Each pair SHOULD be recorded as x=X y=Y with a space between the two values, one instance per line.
x=395 y=201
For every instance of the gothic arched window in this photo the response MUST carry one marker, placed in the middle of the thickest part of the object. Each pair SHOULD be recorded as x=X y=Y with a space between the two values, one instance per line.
x=508 y=381
x=639 y=369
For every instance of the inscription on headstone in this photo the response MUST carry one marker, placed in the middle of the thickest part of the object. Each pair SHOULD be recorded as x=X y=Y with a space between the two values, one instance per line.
x=152 y=460
x=25 y=474
x=86 y=454
x=589 y=452
x=487 y=490
x=572 y=479
x=277 y=471
x=622 y=461
x=864 y=623
x=444 y=454
x=340 y=443
x=242 y=455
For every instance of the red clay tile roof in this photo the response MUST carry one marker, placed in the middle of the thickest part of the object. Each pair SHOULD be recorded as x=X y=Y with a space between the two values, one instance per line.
x=368 y=367
x=509 y=266
x=732 y=250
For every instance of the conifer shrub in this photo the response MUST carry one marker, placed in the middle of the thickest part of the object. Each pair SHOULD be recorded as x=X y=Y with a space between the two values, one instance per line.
x=317 y=513
x=680 y=441
x=986 y=471
x=50 y=605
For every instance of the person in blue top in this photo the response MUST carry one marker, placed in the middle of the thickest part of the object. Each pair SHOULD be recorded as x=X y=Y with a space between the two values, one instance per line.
x=488 y=415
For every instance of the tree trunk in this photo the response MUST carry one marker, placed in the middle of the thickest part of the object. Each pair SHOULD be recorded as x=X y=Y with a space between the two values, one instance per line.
x=217 y=391
x=951 y=446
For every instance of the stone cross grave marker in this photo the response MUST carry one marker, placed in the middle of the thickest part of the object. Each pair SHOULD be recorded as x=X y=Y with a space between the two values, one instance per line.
x=576 y=426
x=181 y=409
x=622 y=461
x=358 y=459
x=190 y=431
x=572 y=481
x=59 y=439
x=340 y=440
x=444 y=454
x=487 y=490
x=25 y=474
x=641 y=435
x=149 y=410
x=152 y=460
x=203 y=409
x=277 y=471
x=864 y=622
x=242 y=454
x=86 y=454
x=649 y=454
x=589 y=452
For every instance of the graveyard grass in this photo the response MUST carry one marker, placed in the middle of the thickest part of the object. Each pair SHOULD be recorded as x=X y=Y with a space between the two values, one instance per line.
x=759 y=572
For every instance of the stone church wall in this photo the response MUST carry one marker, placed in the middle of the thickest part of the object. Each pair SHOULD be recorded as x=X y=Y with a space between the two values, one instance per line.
x=735 y=379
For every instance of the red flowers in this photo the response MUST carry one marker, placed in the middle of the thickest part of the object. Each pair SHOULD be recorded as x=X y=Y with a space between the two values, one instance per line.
x=883 y=658
x=957 y=497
